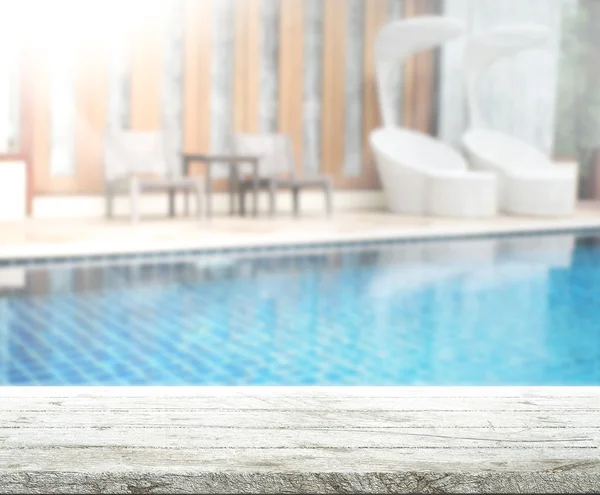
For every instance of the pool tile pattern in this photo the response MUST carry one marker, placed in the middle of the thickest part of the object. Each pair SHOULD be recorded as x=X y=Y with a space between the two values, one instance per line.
x=498 y=311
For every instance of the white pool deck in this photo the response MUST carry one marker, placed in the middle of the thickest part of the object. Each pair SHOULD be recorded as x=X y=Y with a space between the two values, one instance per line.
x=55 y=237
x=290 y=440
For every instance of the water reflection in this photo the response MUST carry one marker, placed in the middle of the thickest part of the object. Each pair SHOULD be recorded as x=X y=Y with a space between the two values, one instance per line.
x=480 y=311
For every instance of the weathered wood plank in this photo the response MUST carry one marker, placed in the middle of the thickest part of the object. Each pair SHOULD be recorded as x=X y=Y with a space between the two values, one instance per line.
x=302 y=419
x=313 y=482
x=301 y=440
x=305 y=403
x=380 y=460
x=362 y=392
x=286 y=438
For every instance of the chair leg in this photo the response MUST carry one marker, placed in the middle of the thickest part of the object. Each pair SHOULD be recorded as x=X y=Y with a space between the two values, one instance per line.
x=198 y=201
x=296 y=199
x=328 y=199
x=171 y=202
x=186 y=203
x=109 y=198
x=255 y=196
x=242 y=198
x=208 y=193
x=135 y=198
x=272 y=198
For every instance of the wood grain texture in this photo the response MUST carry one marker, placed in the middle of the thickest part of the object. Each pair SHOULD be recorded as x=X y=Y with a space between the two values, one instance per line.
x=304 y=440
x=291 y=63
x=252 y=73
x=418 y=75
x=91 y=99
x=239 y=70
x=147 y=71
x=334 y=56
x=375 y=18
x=408 y=74
x=43 y=182
x=196 y=83
x=246 y=71
x=27 y=144
x=425 y=74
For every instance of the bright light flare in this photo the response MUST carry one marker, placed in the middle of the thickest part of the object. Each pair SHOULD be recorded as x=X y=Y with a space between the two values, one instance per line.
x=58 y=21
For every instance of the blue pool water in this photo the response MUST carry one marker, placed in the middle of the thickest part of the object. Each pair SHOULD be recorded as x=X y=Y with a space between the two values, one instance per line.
x=504 y=311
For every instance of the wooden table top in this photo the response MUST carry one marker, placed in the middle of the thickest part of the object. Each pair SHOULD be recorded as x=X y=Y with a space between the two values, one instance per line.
x=300 y=440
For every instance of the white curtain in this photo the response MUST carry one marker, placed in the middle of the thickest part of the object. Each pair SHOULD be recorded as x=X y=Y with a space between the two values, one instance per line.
x=517 y=94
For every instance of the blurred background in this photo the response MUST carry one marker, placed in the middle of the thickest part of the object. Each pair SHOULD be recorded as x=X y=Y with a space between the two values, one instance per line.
x=71 y=69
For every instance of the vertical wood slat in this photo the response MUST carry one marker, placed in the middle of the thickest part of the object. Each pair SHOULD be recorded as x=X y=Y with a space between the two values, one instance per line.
x=28 y=105
x=252 y=54
x=246 y=70
x=375 y=18
x=426 y=73
x=196 y=83
x=41 y=119
x=334 y=72
x=418 y=76
x=91 y=117
x=146 y=71
x=291 y=63
x=408 y=76
x=239 y=70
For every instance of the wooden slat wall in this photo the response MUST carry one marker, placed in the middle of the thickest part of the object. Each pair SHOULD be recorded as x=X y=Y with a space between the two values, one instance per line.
x=418 y=75
x=147 y=76
x=91 y=105
x=334 y=55
x=291 y=63
x=27 y=78
x=196 y=86
x=247 y=27
x=375 y=18
x=41 y=121
x=146 y=72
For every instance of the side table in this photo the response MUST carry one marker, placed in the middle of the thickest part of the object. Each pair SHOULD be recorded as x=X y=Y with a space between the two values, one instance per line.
x=234 y=162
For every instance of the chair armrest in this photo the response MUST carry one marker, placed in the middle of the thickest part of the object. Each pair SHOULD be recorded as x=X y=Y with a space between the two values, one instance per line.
x=212 y=159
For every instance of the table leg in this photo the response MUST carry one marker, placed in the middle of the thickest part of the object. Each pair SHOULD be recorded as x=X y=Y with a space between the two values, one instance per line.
x=233 y=187
x=208 y=192
x=255 y=190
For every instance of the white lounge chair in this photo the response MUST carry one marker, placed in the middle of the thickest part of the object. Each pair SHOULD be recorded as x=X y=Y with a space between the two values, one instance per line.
x=276 y=170
x=138 y=161
x=529 y=182
x=419 y=174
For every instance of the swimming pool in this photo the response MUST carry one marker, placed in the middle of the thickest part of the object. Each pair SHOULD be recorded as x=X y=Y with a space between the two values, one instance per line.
x=510 y=310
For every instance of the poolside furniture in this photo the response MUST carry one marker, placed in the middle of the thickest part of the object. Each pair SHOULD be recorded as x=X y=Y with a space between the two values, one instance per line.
x=276 y=170
x=529 y=182
x=234 y=162
x=421 y=175
x=138 y=161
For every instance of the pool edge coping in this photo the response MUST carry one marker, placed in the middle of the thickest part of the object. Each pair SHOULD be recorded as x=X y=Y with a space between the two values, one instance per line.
x=156 y=251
